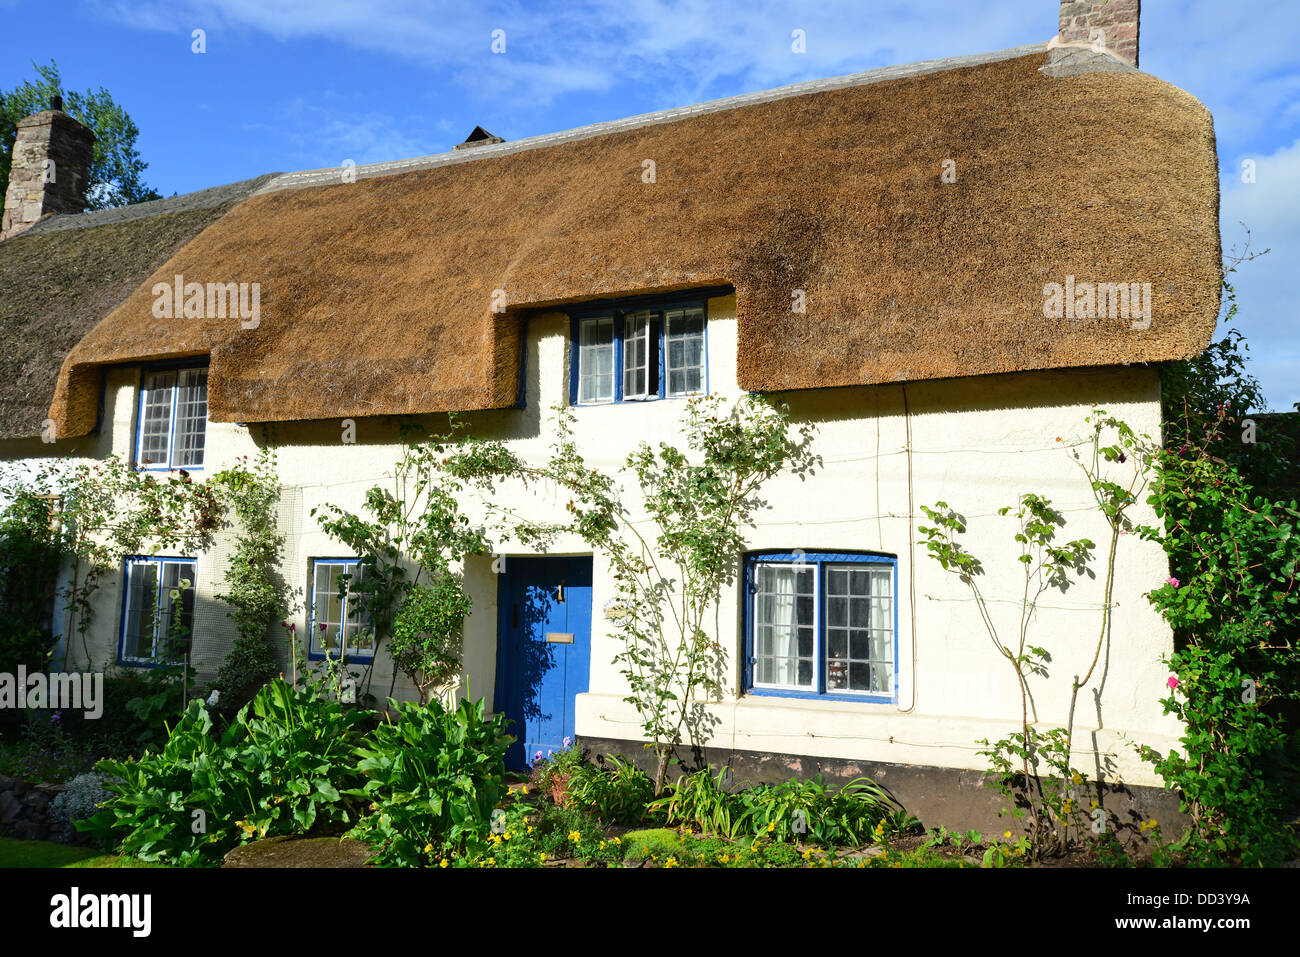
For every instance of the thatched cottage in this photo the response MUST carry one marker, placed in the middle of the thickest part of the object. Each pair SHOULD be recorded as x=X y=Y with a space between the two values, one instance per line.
x=872 y=249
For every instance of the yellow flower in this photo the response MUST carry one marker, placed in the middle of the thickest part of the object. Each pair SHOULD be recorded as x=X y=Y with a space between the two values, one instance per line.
x=524 y=789
x=1007 y=835
x=543 y=857
x=771 y=827
x=443 y=862
x=807 y=855
x=617 y=840
x=671 y=862
x=428 y=848
x=1093 y=803
x=1076 y=777
x=602 y=845
x=507 y=835
x=575 y=837
x=530 y=829
x=724 y=858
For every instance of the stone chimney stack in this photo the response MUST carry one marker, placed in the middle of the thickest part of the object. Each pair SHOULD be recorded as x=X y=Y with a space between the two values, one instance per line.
x=50 y=171
x=1109 y=25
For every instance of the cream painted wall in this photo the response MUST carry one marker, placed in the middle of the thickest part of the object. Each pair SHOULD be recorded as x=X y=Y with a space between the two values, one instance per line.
x=976 y=443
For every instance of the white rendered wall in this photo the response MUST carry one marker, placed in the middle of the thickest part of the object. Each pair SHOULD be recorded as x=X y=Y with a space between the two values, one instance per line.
x=976 y=443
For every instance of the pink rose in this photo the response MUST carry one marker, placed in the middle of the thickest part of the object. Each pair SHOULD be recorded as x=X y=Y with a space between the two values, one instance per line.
x=1172 y=581
x=1172 y=682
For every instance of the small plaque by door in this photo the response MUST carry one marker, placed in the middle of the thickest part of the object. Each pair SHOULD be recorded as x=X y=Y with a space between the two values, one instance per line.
x=559 y=638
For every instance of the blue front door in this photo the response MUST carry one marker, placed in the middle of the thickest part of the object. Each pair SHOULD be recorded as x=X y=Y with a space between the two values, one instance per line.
x=543 y=651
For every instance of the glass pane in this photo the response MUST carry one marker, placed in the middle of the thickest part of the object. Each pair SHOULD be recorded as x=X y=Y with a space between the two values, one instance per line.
x=191 y=418
x=142 y=578
x=860 y=612
x=859 y=677
x=858 y=647
x=859 y=582
x=156 y=417
x=882 y=646
x=684 y=342
x=784 y=613
x=837 y=581
x=596 y=360
x=882 y=679
x=837 y=612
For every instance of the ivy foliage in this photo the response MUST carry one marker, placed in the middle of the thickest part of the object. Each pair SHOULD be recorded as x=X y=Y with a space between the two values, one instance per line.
x=255 y=589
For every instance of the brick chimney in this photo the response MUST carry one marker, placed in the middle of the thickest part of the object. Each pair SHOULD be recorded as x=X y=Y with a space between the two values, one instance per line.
x=51 y=167
x=1110 y=25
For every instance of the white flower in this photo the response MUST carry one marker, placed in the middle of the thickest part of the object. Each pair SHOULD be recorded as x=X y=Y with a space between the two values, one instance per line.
x=213 y=698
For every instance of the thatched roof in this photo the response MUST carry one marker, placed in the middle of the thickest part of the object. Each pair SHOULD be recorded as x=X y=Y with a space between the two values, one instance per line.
x=60 y=277
x=376 y=295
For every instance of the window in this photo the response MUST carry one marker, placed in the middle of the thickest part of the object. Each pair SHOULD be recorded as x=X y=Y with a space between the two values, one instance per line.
x=821 y=624
x=336 y=605
x=635 y=354
x=156 y=589
x=173 y=419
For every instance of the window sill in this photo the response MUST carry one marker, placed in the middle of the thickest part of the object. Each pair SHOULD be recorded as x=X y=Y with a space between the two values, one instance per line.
x=765 y=697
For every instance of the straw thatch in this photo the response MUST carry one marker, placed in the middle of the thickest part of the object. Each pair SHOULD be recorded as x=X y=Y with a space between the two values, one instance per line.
x=376 y=295
x=55 y=286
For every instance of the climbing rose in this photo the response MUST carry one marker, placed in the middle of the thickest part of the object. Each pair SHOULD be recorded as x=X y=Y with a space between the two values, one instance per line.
x=1172 y=581
x=1172 y=682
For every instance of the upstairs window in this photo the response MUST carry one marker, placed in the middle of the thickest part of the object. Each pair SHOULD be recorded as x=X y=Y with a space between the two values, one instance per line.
x=639 y=353
x=173 y=419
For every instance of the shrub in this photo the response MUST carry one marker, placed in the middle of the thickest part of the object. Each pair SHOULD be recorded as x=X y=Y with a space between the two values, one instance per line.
x=78 y=802
x=614 y=790
x=278 y=769
x=795 y=810
x=434 y=778
x=427 y=632
x=660 y=842
x=254 y=589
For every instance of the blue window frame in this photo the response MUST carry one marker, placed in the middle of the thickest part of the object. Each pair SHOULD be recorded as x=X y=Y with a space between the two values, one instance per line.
x=821 y=625
x=171 y=429
x=153 y=590
x=337 y=623
x=640 y=349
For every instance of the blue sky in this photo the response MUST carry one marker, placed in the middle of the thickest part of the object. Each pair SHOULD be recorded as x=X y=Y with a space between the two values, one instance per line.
x=303 y=84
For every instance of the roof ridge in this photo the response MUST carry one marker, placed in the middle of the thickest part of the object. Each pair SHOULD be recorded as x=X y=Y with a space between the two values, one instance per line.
x=322 y=177
x=197 y=199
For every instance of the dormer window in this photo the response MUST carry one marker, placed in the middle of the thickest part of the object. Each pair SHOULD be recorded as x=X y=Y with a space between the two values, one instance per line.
x=639 y=353
x=173 y=419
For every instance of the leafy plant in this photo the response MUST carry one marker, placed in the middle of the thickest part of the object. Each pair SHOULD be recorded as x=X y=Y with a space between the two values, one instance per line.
x=427 y=632
x=408 y=531
x=434 y=777
x=280 y=768
x=254 y=588
x=613 y=790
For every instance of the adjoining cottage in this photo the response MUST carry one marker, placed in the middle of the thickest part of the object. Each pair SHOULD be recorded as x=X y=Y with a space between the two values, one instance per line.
x=874 y=250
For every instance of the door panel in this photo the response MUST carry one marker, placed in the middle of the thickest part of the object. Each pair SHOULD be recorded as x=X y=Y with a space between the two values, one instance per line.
x=537 y=678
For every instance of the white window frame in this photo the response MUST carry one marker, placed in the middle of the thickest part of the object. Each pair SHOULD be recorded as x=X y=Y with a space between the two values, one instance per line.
x=651 y=389
x=180 y=379
x=821 y=567
x=315 y=650
x=701 y=367
x=186 y=568
x=816 y=626
x=586 y=354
